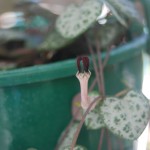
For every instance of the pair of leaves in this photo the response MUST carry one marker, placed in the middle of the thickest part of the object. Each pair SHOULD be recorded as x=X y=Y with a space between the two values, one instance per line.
x=54 y=41
x=126 y=117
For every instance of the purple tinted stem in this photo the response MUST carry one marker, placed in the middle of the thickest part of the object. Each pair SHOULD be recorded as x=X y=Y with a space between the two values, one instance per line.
x=66 y=131
x=101 y=139
x=81 y=123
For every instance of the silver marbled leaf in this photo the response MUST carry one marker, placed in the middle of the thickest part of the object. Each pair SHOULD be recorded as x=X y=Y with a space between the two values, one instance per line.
x=77 y=19
x=126 y=117
x=54 y=41
x=94 y=119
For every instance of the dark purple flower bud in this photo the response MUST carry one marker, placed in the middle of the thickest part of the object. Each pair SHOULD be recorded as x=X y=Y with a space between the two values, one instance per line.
x=85 y=61
x=78 y=63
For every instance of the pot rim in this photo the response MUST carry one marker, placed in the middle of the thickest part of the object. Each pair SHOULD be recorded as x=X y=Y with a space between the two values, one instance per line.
x=67 y=68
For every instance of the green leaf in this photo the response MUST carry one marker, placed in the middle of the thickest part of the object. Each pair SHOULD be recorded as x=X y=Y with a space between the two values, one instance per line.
x=77 y=19
x=54 y=41
x=126 y=117
x=94 y=119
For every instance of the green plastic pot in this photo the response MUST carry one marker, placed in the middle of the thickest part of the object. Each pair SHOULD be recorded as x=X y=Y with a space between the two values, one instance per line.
x=35 y=102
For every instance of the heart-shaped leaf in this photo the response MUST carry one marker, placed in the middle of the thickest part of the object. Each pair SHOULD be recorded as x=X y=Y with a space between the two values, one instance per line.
x=94 y=120
x=122 y=9
x=54 y=41
x=77 y=19
x=126 y=117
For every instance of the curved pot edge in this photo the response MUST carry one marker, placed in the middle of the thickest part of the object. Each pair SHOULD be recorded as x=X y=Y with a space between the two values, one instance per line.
x=66 y=68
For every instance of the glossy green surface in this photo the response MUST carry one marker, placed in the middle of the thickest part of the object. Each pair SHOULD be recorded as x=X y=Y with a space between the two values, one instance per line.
x=35 y=102
x=35 y=114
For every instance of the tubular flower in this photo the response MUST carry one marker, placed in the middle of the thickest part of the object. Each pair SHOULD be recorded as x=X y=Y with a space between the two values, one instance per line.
x=83 y=76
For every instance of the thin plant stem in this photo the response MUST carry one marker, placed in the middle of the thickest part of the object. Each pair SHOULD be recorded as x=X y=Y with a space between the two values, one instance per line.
x=106 y=57
x=84 y=116
x=67 y=130
x=108 y=140
x=95 y=65
x=107 y=133
x=81 y=123
x=102 y=84
x=121 y=93
x=104 y=65
x=90 y=89
x=101 y=74
x=101 y=139
x=92 y=85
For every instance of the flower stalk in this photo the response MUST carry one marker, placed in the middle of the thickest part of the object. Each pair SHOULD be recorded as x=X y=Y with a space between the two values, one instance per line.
x=83 y=76
x=83 y=79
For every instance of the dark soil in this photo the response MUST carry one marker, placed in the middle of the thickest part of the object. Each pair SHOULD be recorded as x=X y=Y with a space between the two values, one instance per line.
x=14 y=52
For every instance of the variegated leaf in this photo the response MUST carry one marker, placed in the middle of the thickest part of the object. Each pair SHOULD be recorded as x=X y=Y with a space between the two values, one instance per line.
x=54 y=41
x=77 y=19
x=94 y=120
x=68 y=139
x=126 y=117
